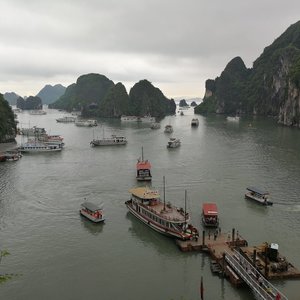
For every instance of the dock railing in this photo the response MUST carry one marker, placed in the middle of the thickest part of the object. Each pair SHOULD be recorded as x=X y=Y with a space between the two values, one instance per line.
x=260 y=286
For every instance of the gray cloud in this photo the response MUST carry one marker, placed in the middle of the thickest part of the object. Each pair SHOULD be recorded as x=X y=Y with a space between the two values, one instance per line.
x=172 y=43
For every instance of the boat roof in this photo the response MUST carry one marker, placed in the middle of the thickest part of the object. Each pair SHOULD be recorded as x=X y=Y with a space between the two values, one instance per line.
x=144 y=193
x=257 y=190
x=90 y=206
x=210 y=209
x=142 y=165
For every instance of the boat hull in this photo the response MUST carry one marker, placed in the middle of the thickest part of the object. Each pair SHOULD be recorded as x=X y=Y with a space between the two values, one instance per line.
x=158 y=228
x=260 y=201
x=91 y=218
x=107 y=143
x=144 y=178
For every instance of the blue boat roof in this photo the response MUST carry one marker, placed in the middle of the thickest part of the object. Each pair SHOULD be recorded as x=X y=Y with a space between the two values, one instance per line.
x=257 y=190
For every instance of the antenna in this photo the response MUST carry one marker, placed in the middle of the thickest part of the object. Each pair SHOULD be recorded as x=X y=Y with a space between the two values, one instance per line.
x=185 y=192
x=164 y=193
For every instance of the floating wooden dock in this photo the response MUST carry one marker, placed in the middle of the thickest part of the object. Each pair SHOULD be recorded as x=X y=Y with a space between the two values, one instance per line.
x=216 y=245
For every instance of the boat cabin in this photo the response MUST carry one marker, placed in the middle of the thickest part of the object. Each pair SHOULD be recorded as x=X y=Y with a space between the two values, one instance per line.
x=258 y=195
x=210 y=216
x=143 y=170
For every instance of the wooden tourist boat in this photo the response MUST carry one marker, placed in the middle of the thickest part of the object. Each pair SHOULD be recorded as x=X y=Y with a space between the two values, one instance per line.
x=146 y=205
x=92 y=212
x=143 y=169
x=210 y=216
x=258 y=195
x=173 y=143
x=195 y=122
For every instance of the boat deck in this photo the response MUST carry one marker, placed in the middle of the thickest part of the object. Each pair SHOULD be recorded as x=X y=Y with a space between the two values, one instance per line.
x=168 y=212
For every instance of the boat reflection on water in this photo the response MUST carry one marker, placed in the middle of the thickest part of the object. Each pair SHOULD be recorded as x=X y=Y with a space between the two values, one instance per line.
x=93 y=228
x=147 y=236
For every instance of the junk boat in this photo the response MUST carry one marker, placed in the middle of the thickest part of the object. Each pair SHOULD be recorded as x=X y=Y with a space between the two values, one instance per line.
x=195 y=122
x=210 y=216
x=168 y=129
x=146 y=205
x=173 y=143
x=143 y=168
x=112 y=141
x=92 y=212
x=258 y=195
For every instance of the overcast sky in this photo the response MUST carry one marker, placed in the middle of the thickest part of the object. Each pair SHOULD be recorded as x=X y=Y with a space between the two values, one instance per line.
x=175 y=44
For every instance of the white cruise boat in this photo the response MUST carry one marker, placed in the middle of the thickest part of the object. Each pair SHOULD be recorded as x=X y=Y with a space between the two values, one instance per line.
x=129 y=118
x=147 y=119
x=86 y=123
x=38 y=147
x=144 y=119
x=37 y=112
x=111 y=141
x=233 y=119
x=173 y=143
x=168 y=129
x=66 y=120
x=145 y=204
x=155 y=125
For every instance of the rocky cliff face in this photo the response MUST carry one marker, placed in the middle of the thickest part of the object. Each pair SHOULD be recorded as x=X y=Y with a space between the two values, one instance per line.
x=289 y=110
x=270 y=88
x=7 y=122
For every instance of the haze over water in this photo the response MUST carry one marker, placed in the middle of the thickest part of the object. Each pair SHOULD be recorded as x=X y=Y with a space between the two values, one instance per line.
x=60 y=255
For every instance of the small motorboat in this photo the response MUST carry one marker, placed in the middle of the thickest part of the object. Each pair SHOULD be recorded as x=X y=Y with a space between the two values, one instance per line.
x=93 y=212
x=258 y=195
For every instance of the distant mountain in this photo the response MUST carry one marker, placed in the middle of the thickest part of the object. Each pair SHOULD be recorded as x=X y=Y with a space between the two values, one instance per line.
x=270 y=88
x=50 y=94
x=29 y=103
x=96 y=95
x=7 y=122
x=183 y=103
x=11 y=97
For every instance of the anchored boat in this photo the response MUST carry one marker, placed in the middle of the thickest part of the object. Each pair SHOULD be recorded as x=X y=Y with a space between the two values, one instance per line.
x=210 y=216
x=173 y=143
x=146 y=205
x=143 y=169
x=92 y=212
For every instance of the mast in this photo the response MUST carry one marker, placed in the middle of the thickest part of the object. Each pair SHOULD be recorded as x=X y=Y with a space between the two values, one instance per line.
x=185 y=192
x=142 y=154
x=164 y=194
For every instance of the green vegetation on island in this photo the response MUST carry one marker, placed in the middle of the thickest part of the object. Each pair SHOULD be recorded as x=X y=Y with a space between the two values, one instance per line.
x=7 y=122
x=96 y=95
x=270 y=88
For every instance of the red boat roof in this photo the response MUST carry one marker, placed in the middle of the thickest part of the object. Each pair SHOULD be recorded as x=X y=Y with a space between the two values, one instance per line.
x=210 y=209
x=143 y=165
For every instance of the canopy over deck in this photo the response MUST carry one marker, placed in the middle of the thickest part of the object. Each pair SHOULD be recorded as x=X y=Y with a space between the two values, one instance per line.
x=143 y=165
x=91 y=206
x=144 y=193
x=210 y=209
x=257 y=190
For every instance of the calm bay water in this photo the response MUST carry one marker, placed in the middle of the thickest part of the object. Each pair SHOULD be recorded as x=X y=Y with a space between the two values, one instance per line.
x=60 y=255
